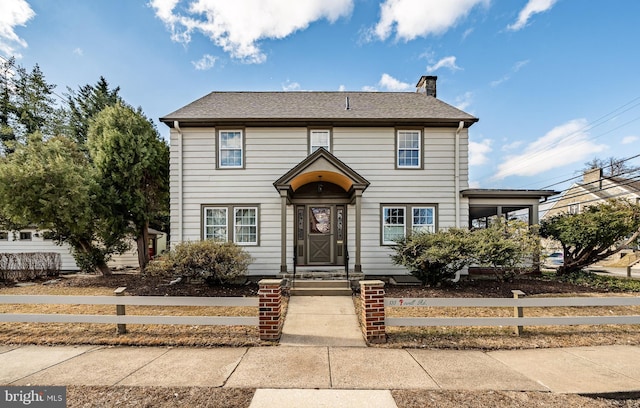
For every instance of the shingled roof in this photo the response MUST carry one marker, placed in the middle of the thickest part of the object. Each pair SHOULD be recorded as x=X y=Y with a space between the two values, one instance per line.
x=364 y=108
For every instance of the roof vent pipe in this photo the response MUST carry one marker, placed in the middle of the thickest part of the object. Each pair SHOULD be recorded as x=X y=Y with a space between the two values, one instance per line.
x=346 y=104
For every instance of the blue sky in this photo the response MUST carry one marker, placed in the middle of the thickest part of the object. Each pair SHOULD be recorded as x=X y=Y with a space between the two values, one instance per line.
x=554 y=82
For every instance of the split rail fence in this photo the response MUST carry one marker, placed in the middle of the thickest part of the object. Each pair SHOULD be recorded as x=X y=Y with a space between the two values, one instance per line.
x=268 y=303
x=375 y=320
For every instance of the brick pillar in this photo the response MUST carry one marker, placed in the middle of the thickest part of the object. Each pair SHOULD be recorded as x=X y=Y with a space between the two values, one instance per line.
x=372 y=296
x=270 y=301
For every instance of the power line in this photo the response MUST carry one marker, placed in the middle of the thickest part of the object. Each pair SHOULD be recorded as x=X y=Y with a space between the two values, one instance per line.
x=605 y=167
x=598 y=122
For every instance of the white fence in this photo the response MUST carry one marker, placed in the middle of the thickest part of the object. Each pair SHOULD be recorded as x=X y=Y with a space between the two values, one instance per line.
x=120 y=301
x=518 y=304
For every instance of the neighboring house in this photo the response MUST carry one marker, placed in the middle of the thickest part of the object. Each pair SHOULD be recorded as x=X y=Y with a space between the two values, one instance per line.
x=32 y=240
x=594 y=189
x=324 y=179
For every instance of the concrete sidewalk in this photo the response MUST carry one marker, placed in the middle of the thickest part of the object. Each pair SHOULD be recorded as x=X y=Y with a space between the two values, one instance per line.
x=584 y=370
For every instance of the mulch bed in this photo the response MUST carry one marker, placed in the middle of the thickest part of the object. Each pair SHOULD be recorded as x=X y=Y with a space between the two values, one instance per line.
x=488 y=288
x=139 y=285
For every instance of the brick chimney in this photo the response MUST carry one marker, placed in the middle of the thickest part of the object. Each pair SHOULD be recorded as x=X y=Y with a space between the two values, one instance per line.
x=427 y=85
x=593 y=177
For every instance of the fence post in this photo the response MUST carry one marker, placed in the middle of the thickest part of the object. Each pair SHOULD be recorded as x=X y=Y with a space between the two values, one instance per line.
x=518 y=311
x=270 y=303
x=122 y=328
x=373 y=315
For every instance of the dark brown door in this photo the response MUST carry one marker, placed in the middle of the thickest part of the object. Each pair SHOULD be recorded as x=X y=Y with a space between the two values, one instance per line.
x=320 y=248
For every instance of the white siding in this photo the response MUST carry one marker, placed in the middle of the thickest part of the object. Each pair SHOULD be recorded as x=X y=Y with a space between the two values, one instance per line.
x=271 y=152
x=39 y=244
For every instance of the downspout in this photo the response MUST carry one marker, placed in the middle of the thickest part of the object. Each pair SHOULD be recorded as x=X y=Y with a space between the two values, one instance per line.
x=176 y=126
x=456 y=183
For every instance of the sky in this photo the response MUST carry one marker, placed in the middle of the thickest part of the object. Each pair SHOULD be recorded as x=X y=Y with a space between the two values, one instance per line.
x=555 y=83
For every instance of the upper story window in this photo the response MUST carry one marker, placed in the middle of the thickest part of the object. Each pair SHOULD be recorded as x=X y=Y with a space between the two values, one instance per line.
x=409 y=149
x=4 y=236
x=25 y=235
x=230 y=149
x=319 y=138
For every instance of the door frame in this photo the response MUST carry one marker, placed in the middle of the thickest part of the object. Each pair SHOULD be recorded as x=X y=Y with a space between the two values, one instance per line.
x=338 y=233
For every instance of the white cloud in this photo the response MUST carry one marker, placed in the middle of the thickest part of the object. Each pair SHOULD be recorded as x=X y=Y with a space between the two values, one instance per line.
x=478 y=152
x=629 y=139
x=206 y=62
x=512 y=145
x=562 y=145
x=367 y=88
x=474 y=184
x=532 y=7
x=342 y=88
x=515 y=68
x=463 y=101
x=391 y=84
x=14 y=13
x=290 y=86
x=78 y=51
x=446 y=62
x=420 y=18
x=237 y=26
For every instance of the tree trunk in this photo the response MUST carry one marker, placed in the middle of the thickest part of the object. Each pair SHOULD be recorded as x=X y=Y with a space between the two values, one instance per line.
x=103 y=269
x=143 y=246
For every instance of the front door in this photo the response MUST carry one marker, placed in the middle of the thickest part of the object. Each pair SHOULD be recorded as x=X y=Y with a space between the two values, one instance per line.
x=320 y=234
x=320 y=239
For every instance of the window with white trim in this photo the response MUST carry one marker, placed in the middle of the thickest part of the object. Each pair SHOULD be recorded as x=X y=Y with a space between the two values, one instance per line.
x=25 y=235
x=4 y=236
x=393 y=224
x=574 y=208
x=246 y=225
x=409 y=149
x=230 y=149
x=237 y=224
x=423 y=219
x=215 y=224
x=400 y=220
x=319 y=138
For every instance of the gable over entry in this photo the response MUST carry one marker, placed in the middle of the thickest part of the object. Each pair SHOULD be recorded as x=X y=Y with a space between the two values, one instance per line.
x=323 y=184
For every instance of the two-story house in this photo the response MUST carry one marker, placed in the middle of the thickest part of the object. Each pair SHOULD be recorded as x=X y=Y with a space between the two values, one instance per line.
x=322 y=179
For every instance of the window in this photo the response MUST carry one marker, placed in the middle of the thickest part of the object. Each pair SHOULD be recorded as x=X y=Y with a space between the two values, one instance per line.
x=423 y=219
x=393 y=224
x=246 y=226
x=398 y=220
x=25 y=236
x=4 y=236
x=319 y=138
x=409 y=149
x=217 y=224
x=230 y=149
x=574 y=208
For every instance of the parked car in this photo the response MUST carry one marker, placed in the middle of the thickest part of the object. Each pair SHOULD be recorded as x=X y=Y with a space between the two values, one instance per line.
x=554 y=260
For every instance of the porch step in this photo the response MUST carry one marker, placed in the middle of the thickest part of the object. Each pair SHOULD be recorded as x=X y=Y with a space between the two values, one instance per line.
x=321 y=288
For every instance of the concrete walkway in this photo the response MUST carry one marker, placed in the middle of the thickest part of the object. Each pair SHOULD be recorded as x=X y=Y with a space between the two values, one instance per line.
x=321 y=321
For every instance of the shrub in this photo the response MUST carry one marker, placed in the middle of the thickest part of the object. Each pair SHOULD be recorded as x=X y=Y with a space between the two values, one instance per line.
x=29 y=265
x=215 y=262
x=434 y=257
